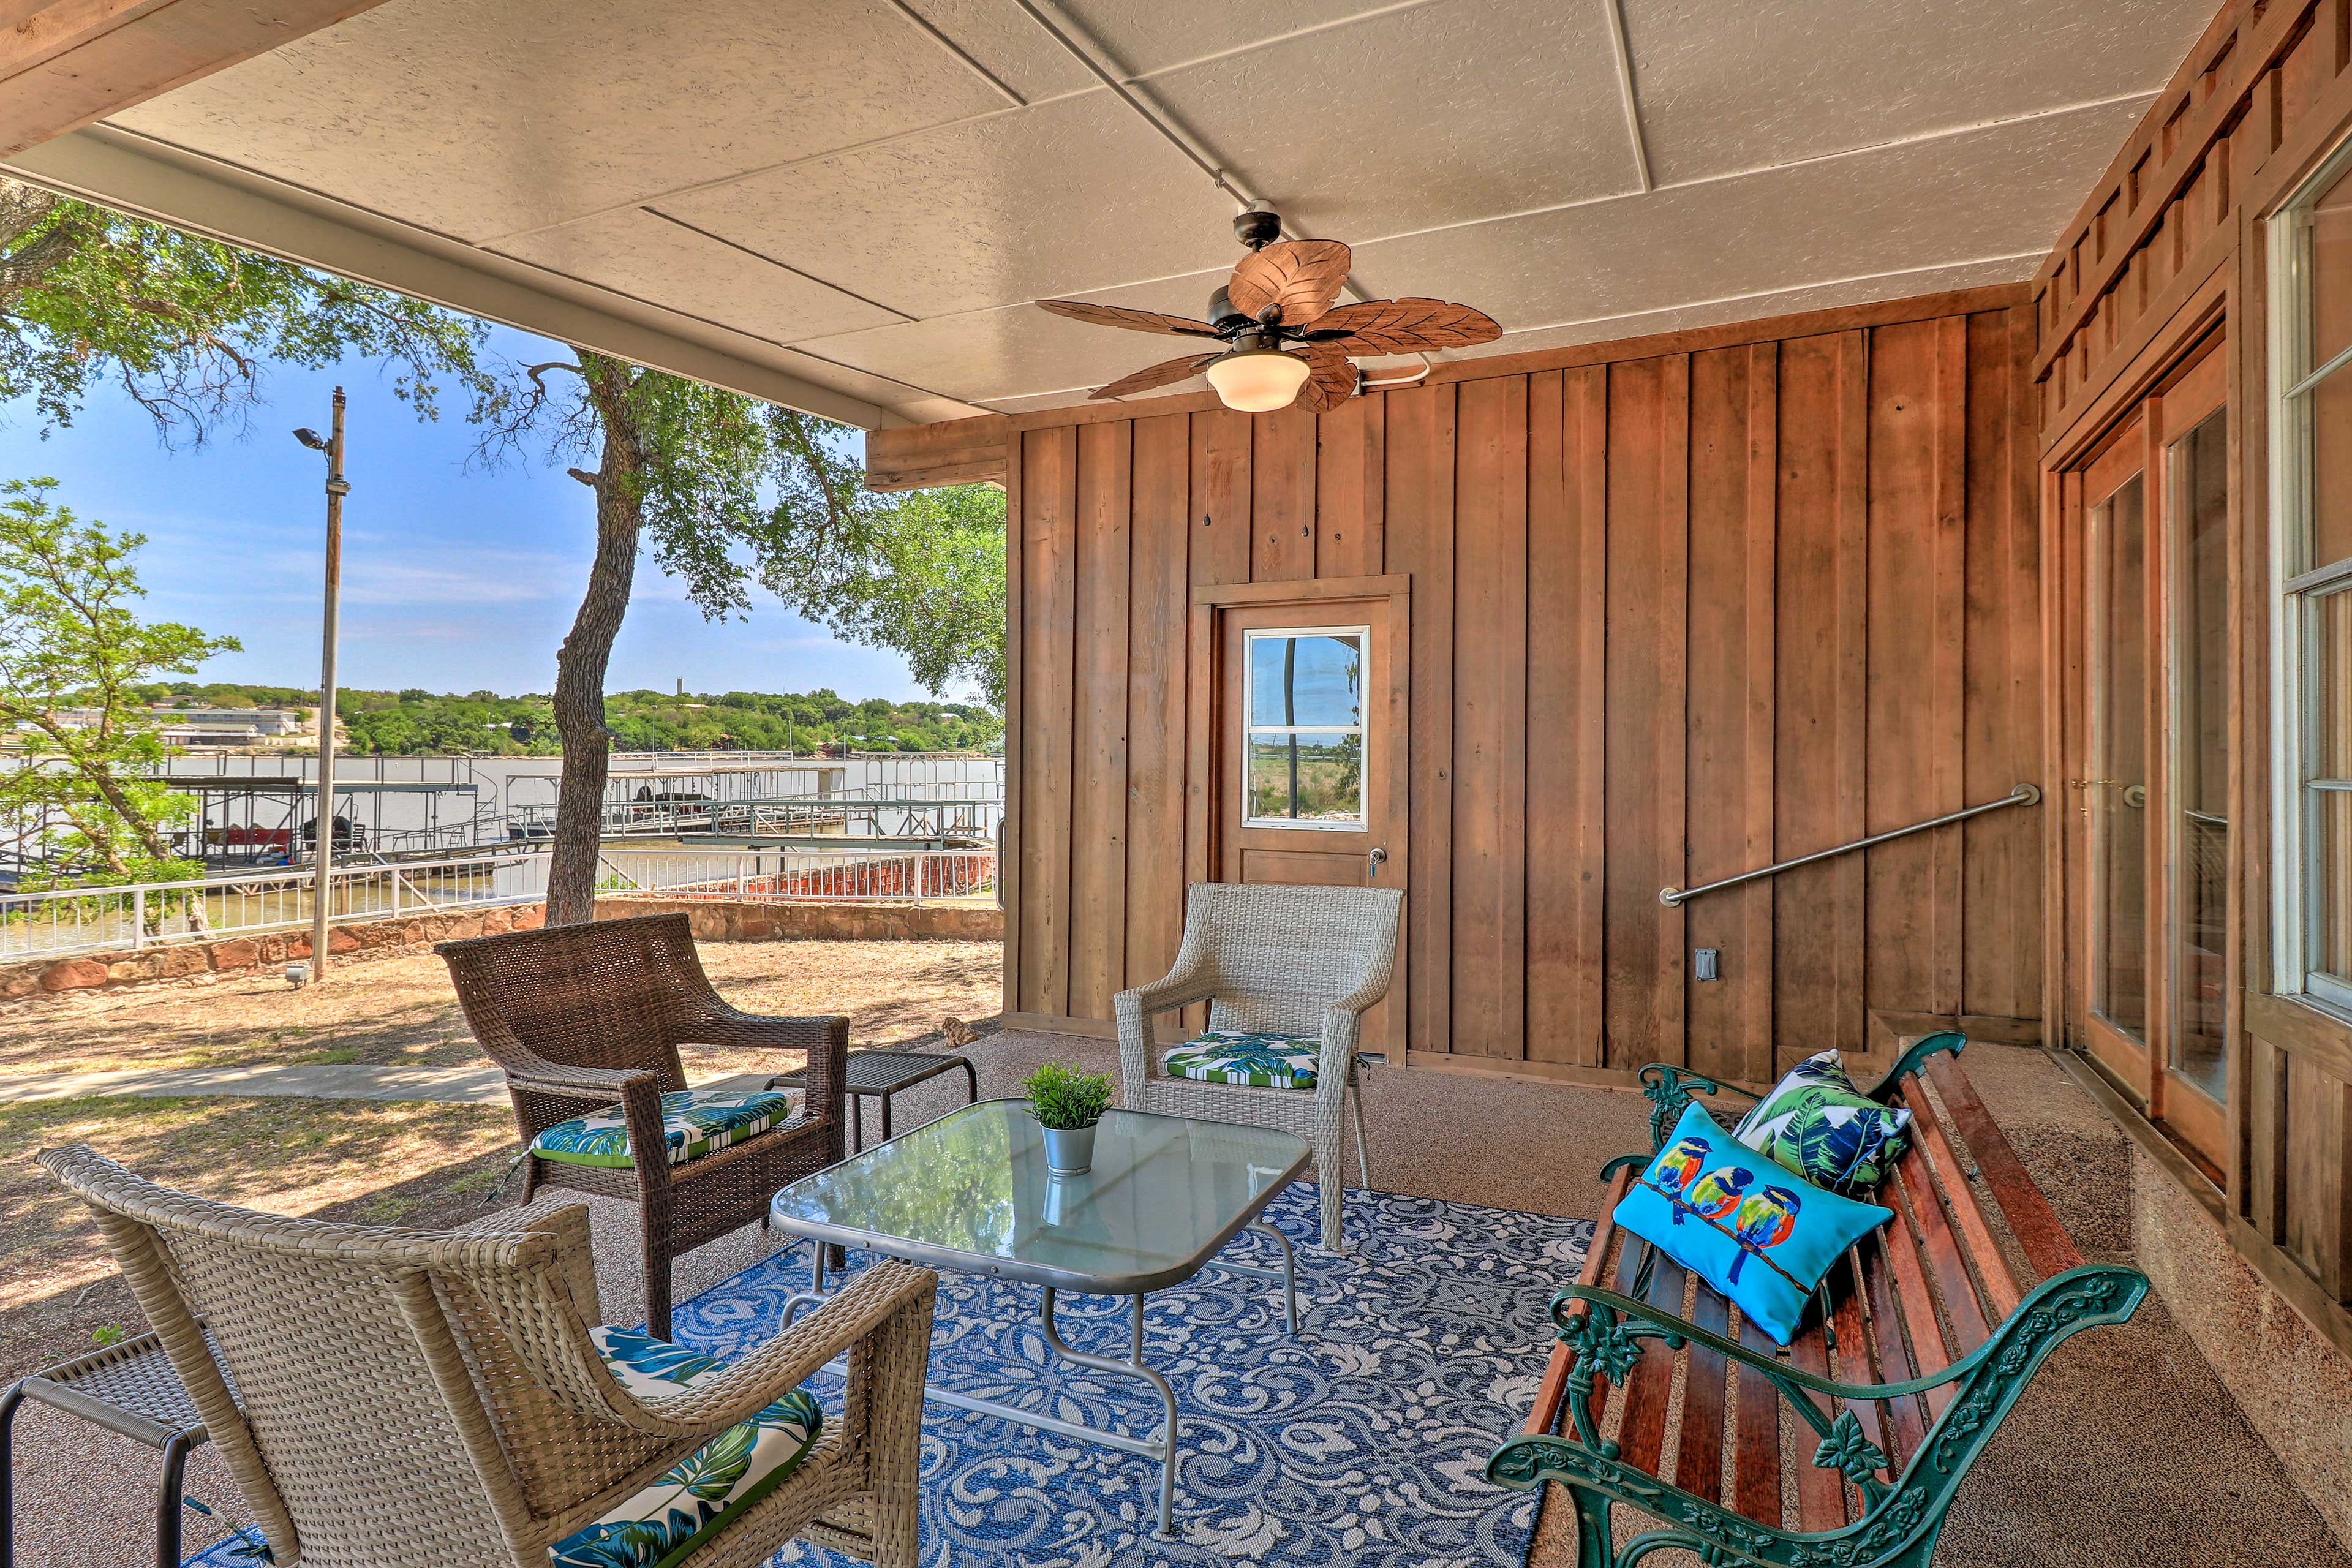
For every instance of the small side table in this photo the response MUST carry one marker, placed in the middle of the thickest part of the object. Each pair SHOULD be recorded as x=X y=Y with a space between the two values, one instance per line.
x=879 y=1074
x=127 y=1388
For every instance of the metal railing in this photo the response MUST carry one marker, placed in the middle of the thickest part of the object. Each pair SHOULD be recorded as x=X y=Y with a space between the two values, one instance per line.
x=135 y=916
x=2023 y=794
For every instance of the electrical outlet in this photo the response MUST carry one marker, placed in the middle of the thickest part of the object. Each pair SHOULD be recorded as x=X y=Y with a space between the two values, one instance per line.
x=1706 y=963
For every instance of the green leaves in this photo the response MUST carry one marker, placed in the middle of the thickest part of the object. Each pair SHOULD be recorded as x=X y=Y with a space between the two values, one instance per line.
x=70 y=639
x=185 y=325
x=1065 y=1099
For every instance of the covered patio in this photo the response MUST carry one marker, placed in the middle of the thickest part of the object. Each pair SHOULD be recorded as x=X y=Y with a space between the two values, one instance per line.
x=1883 y=579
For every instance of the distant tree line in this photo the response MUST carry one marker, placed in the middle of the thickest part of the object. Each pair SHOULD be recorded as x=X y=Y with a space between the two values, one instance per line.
x=411 y=721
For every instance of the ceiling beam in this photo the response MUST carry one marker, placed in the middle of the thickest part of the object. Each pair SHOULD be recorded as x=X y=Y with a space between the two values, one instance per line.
x=187 y=191
x=66 y=63
x=918 y=457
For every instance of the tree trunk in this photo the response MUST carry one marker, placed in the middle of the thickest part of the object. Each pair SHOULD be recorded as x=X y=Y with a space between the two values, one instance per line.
x=580 y=664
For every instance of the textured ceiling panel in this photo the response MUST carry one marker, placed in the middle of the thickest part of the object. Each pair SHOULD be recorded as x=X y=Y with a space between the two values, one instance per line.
x=482 y=118
x=1141 y=36
x=1512 y=106
x=1723 y=88
x=1071 y=195
x=1020 y=350
x=1997 y=192
x=1001 y=41
x=647 y=257
x=818 y=173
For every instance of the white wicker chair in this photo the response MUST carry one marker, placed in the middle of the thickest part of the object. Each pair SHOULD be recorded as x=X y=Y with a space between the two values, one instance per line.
x=1302 y=961
x=417 y=1399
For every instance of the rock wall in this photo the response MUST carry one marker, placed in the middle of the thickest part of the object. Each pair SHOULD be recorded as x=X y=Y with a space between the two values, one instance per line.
x=714 y=920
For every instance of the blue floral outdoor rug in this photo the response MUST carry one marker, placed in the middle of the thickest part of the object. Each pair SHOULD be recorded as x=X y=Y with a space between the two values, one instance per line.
x=1359 y=1443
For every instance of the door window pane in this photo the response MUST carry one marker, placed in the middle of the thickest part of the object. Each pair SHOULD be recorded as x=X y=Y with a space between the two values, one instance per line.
x=1304 y=735
x=1315 y=681
x=2199 y=464
x=2119 y=787
x=1307 y=776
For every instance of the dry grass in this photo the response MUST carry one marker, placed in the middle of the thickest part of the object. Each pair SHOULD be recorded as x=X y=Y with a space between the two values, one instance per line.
x=401 y=1011
x=379 y=1164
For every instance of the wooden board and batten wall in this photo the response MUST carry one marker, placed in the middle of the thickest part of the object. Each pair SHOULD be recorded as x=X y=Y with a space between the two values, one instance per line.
x=2167 y=255
x=1679 y=607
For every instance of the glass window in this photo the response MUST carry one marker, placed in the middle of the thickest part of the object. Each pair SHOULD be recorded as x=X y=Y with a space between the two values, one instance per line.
x=2119 y=539
x=2200 y=487
x=2311 y=363
x=1305 y=728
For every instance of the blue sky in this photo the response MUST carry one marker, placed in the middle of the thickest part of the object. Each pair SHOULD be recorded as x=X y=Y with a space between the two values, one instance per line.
x=452 y=580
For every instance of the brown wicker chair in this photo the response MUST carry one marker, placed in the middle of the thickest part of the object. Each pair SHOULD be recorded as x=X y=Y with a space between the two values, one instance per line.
x=581 y=1016
x=414 y=1399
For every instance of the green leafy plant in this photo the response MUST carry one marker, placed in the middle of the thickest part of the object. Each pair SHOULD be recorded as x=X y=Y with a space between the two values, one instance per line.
x=112 y=1334
x=1066 y=1099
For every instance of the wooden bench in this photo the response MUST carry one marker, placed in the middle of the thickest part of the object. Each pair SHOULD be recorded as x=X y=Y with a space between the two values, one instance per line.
x=1920 y=1341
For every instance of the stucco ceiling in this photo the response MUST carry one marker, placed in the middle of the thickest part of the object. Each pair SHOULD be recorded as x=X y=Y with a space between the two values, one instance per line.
x=865 y=195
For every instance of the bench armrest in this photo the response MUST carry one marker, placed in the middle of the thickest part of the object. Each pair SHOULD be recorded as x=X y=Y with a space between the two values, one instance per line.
x=1670 y=1089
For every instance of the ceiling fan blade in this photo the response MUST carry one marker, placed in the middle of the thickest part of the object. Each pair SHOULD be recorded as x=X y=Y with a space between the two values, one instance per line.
x=1162 y=374
x=1096 y=315
x=1330 y=378
x=1404 y=327
x=1302 y=276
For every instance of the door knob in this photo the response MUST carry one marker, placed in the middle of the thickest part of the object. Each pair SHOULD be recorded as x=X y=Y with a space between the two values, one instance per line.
x=1379 y=857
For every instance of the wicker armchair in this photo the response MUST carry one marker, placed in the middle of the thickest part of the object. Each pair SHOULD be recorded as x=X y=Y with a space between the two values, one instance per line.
x=1304 y=963
x=408 y=1399
x=581 y=1016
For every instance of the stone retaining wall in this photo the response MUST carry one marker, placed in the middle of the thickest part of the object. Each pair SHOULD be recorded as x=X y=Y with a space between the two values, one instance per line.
x=714 y=920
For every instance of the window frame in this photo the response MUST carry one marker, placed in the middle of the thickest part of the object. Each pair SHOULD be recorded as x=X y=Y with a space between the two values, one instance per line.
x=1360 y=823
x=2298 y=589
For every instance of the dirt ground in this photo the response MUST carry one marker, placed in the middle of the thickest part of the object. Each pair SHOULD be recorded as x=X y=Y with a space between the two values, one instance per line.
x=401 y=1011
x=411 y=1165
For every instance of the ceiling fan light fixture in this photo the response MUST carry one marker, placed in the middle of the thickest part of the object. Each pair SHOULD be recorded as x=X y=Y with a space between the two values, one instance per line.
x=1258 y=381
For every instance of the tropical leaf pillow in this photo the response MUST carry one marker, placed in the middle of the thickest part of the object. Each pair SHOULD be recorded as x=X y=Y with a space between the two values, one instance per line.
x=1759 y=1234
x=1818 y=1124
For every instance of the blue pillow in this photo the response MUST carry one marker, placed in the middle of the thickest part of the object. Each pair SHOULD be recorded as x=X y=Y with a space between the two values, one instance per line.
x=1752 y=1229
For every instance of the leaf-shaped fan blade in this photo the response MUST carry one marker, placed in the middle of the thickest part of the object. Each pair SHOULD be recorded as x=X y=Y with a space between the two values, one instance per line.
x=1173 y=371
x=1096 y=315
x=1330 y=379
x=1405 y=327
x=1302 y=276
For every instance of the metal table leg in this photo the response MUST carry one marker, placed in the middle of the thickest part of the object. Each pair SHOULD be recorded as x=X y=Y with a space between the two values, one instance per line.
x=1159 y=1446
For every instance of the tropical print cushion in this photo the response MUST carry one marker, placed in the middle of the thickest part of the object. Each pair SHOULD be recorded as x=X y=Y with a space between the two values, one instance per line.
x=1818 y=1124
x=694 y=1122
x=1258 y=1061
x=1756 y=1232
x=704 y=1492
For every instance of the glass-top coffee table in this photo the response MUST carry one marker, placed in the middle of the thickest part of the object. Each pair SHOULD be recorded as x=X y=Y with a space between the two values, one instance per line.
x=969 y=1193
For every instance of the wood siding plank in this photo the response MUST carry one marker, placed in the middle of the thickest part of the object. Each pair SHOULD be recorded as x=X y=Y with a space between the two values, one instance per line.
x=1282 y=485
x=1490 y=718
x=1049 y=524
x=1418 y=506
x=1717 y=763
x=1098 y=784
x=1350 y=489
x=1160 y=523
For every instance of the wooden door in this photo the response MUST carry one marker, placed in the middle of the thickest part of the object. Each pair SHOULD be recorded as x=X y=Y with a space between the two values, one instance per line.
x=2150 y=886
x=1302 y=777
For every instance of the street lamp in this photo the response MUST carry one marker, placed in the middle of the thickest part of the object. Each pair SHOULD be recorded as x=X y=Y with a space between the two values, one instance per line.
x=323 y=823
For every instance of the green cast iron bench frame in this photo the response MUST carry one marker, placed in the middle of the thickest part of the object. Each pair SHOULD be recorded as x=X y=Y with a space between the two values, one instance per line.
x=1934 y=1331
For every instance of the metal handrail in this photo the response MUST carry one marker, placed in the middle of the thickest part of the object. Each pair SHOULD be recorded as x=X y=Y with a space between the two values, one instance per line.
x=2023 y=794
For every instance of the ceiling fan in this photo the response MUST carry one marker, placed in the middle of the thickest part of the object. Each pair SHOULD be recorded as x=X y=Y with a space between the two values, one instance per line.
x=1284 y=344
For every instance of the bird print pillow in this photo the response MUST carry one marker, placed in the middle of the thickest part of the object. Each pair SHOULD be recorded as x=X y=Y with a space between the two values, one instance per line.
x=1818 y=1124
x=1757 y=1233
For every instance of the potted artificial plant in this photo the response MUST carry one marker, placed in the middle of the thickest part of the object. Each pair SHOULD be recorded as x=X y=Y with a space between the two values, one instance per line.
x=1068 y=1104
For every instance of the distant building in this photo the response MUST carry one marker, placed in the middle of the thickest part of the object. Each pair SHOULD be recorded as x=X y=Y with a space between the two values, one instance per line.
x=208 y=726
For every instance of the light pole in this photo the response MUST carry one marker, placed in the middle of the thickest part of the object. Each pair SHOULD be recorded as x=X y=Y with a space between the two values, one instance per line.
x=323 y=823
